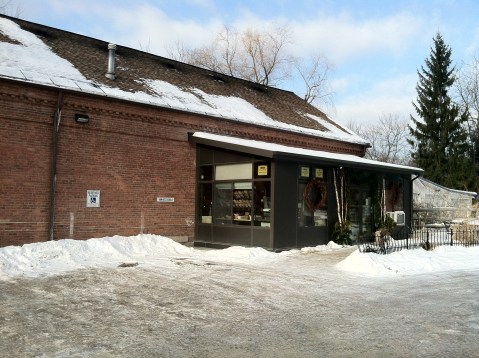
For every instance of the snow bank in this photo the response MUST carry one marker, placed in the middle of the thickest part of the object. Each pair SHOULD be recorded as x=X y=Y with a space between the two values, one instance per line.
x=239 y=254
x=410 y=262
x=55 y=257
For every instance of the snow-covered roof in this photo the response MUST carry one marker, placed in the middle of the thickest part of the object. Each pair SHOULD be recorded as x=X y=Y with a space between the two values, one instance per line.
x=424 y=185
x=43 y=55
x=274 y=150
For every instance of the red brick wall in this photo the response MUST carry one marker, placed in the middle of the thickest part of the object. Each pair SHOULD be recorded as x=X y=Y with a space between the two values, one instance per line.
x=132 y=153
x=25 y=156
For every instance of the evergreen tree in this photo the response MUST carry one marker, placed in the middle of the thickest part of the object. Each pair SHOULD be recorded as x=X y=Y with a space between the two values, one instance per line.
x=439 y=138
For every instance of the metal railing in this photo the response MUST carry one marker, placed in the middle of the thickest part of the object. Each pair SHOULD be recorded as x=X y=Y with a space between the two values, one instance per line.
x=427 y=237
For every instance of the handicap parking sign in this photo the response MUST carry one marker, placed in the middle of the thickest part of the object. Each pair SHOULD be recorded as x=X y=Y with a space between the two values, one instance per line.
x=93 y=198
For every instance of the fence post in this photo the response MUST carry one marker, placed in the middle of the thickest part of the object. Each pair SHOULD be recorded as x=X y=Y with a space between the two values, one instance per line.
x=451 y=237
x=427 y=240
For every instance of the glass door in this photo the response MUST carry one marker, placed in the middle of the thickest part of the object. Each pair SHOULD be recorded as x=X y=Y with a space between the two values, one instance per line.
x=360 y=212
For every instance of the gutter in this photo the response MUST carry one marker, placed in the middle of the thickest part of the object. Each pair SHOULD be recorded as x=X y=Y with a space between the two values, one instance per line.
x=53 y=176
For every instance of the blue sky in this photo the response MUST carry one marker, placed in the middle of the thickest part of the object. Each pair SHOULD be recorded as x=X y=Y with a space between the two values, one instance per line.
x=376 y=47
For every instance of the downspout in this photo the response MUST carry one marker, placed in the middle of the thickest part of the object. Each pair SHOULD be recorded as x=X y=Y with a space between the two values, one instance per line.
x=55 y=129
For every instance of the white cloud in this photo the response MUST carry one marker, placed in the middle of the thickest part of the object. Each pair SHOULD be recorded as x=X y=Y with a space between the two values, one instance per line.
x=343 y=38
x=146 y=24
x=392 y=95
x=135 y=24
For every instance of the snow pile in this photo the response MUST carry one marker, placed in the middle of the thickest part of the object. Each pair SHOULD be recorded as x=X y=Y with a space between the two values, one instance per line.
x=239 y=254
x=55 y=257
x=410 y=262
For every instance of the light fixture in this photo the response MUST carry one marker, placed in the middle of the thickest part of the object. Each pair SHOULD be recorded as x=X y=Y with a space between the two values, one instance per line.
x=82 y=118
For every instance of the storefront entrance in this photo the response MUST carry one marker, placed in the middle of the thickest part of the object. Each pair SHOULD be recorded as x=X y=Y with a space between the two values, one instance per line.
x=253 y=193
x=234 y=199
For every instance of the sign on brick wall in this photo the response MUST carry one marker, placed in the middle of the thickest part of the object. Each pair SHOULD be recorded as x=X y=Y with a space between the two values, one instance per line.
x=93 y=198
x=162 y=199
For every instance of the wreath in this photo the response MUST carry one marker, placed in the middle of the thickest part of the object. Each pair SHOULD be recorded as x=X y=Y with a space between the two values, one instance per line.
x=315 y=194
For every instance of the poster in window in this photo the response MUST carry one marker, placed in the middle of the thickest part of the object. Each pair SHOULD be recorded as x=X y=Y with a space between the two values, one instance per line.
x=262 y=170
x=319 y=173
x=305 y=171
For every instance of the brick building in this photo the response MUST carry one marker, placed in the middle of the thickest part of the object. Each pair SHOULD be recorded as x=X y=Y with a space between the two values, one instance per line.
x=98 y=140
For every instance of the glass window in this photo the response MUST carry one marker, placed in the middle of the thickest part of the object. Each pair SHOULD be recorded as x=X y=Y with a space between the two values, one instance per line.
x=223 y=203
x=234 y=171
x=360 y=208
x=234 y=194
x=262 y=203
x=242 y=201
x=312 y=203
x=206 y=203
x=394 y=195
x=305 y=216
x=206 y=172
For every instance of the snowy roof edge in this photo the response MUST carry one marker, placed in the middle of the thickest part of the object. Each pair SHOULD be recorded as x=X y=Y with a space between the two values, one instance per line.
x=27 y=39
x=280 y=148
x=470 y=193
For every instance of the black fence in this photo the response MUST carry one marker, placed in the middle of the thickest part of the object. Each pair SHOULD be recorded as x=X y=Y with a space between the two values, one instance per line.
x=427 y=238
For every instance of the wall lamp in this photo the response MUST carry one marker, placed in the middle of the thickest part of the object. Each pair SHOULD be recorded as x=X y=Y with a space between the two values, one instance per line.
x=82 y=118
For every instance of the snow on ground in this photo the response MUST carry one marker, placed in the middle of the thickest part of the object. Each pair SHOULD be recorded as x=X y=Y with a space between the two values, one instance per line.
x=410 y=262
x=55 y=257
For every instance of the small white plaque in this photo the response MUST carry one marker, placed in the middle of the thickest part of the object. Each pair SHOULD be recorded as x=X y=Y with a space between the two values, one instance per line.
x=93 y=198
x=162 y=199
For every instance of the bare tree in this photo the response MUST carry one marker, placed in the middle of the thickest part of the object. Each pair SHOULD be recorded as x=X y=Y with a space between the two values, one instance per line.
x=315 y=75
x=254 y=55
x=266 y=61
x=260 y=56
x=387 y=137
x=467 y=89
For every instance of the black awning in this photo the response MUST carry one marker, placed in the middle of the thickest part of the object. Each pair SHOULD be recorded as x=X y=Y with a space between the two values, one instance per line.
x=282 y=152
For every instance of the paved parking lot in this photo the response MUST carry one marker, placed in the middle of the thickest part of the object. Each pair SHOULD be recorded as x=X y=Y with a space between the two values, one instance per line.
x=297 y=307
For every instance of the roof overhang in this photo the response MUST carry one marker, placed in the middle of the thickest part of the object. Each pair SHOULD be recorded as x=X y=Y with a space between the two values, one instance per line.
x=283 y=152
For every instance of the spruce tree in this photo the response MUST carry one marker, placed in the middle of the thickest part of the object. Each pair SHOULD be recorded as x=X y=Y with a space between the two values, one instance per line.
x=438 y=138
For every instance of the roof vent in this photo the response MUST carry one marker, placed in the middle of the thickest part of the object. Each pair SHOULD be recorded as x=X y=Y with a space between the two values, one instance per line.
x=170 y=66
x=111 y=61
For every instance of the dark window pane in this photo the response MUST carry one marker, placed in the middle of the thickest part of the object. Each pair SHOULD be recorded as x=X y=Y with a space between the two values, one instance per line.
x=262 y=203
x=206 y=172
x=223 y=203
x=206 y=202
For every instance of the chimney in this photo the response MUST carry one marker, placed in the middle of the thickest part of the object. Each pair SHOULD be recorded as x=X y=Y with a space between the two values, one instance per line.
x=111 y=62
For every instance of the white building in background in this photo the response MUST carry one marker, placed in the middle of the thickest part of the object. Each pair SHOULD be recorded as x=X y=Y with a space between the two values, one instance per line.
x=434 y=203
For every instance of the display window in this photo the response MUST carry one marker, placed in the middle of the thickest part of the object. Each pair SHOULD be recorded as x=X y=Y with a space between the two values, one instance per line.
x=223 y=203
x=228 y=194
x=312 y=197
x=242 y=203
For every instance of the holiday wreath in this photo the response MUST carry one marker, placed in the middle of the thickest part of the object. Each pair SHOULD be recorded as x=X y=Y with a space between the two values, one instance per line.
x=315 y=194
